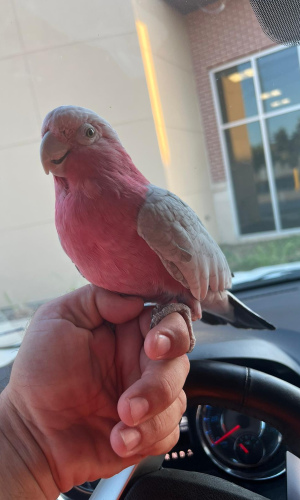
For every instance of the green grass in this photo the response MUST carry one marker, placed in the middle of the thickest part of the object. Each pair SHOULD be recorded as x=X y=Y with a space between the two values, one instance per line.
x=247 y=256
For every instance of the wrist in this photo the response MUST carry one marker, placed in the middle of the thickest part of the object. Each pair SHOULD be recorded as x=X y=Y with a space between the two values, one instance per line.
x=24 y=470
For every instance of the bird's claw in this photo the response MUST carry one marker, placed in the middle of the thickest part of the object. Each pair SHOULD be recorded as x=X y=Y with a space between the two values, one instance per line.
x=161 y=311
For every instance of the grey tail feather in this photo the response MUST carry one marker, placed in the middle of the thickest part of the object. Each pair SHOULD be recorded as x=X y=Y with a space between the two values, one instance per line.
x=244 y=317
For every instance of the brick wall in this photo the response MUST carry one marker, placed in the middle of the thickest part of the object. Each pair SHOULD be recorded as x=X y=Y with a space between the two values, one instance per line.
x=217 y=39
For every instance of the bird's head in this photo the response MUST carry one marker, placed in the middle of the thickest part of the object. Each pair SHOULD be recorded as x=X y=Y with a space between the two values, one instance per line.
x=69 y=131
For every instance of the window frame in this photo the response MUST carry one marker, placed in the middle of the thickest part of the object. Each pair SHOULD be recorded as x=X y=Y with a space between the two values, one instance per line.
x=260 y=117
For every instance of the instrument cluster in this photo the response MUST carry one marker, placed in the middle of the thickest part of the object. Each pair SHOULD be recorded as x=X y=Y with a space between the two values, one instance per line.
x=243 y=446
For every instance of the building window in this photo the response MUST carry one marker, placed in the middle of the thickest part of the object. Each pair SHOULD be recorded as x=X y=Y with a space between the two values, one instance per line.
x=258 y=109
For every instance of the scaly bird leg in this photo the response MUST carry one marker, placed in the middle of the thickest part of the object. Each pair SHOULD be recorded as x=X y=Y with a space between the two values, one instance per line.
x=161 y=311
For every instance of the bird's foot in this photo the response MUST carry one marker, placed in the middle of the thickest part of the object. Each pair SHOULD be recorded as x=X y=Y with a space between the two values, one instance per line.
x=161 y=311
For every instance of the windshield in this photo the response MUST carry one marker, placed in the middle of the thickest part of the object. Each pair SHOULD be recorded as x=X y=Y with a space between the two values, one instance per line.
x=203 y=101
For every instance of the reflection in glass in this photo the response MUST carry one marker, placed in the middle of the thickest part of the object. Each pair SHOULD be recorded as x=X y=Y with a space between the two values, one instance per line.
x=284 y=137
x=236 y=92
x=279 y=79
x=250 y=180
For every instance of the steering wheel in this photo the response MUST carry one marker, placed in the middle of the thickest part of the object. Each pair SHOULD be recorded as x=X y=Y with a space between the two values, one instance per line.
x=238 y=388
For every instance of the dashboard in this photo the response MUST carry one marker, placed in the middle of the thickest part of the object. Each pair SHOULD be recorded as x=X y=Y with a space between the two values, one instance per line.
x=221 y=442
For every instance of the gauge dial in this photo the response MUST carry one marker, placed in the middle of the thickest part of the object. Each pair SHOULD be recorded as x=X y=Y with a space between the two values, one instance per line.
x=236 y=442
x=249 y=449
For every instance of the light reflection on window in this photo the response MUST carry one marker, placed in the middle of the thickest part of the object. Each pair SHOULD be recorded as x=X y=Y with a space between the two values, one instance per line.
x=236 y=92
x=279 y=77
x=284 y=136
x=250 y=179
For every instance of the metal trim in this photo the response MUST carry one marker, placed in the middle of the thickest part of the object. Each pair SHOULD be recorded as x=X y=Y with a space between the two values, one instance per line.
x=292 y=476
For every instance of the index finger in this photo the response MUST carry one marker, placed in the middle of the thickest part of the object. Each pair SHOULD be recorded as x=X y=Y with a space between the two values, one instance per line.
x=167 y=340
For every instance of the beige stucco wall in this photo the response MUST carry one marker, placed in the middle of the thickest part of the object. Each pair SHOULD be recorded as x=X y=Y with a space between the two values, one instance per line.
x=187 y=173
x=88 y=54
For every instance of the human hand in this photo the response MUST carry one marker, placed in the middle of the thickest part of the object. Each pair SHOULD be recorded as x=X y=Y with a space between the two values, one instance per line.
x=96 y=401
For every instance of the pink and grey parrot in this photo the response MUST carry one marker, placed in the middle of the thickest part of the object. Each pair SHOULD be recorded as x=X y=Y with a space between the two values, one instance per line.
x=127 y=235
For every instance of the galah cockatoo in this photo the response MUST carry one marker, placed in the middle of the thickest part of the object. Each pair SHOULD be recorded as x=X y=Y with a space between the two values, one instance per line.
x=127 y=235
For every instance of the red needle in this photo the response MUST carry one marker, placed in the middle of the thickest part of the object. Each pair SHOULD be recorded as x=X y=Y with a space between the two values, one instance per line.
x=236 y=428
x=243 y=448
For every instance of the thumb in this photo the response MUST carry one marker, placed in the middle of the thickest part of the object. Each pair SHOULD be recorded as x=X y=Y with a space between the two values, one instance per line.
x=89 y=306
x=116 y=308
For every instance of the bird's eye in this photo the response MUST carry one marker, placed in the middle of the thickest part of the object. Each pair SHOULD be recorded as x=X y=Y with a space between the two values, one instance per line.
x=90 y=132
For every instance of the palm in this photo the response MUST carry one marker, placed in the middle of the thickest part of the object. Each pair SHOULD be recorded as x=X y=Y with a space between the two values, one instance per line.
x=89 y=372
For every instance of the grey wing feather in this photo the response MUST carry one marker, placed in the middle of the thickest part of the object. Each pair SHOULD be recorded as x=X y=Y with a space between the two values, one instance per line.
x=188 y=252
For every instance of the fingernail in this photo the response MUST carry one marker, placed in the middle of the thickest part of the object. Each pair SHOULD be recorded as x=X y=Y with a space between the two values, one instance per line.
x=138 y=408
x=131 y=438
x=163 y=344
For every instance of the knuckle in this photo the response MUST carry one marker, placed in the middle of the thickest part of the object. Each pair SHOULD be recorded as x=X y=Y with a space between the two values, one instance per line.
x=166 y=444
x=186 y=364
x=176 y=434
x=153 y=431
x=183 y=402
x=158 y=425
x=172 y=439
x=43 y=311
x=163 y=424
x=166 y=389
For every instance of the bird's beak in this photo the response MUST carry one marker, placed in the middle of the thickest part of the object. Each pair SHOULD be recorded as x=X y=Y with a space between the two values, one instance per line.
x=53 y=154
